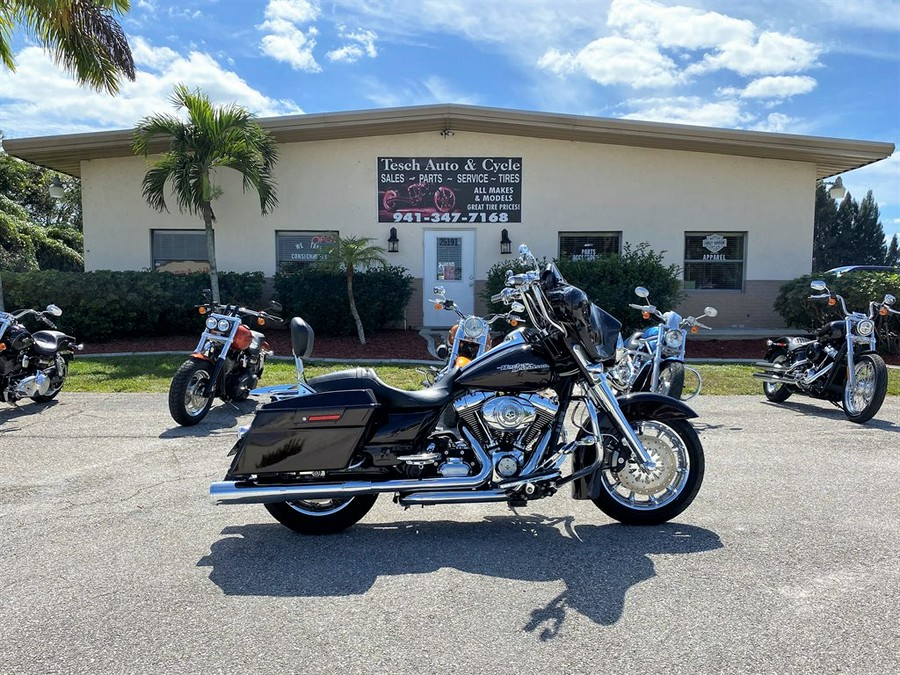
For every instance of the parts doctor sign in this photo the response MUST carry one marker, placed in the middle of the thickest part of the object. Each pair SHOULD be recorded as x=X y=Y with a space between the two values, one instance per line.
x=449 y=189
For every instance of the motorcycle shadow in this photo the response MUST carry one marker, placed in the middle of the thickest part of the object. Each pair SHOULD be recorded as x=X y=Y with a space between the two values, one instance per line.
x=597 y=563
x=827 y=410
x=12 y=412
x=222 y=416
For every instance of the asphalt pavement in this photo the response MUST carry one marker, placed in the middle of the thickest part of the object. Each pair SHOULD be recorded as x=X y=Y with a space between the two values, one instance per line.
x=114 y=559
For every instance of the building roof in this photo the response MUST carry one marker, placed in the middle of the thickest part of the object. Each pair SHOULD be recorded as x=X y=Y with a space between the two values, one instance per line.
x=830 y=155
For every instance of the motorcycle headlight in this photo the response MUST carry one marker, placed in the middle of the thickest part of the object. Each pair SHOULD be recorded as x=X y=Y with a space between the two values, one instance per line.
x=474 y=327
x=224 y=325
x=865 y=327
x=674 y=339
x=211 y=323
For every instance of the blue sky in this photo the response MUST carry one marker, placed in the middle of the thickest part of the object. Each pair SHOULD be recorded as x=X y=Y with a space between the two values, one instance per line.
x=816 y=67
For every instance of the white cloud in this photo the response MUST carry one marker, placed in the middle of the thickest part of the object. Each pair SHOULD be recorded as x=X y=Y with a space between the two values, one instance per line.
x=615 y=60
x=775 y=122
x=779 y=87
x=362 y=42
x=771 y=54
x=688 y=110
x=682 y=27
x=41 y=99
x=285 y=39
x=432 y=89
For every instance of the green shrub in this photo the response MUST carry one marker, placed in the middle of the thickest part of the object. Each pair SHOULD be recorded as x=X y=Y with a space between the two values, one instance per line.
x=857 y=288
x=104 y=305
x=320 y=297
x=609 y=281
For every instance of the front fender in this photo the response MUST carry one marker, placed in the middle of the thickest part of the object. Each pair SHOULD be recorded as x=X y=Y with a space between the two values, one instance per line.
x=638 y=406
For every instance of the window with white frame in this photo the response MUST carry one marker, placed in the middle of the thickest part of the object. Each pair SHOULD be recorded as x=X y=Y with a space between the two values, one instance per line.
x=179 y=251
x=294 y=248
x=714 y=260
x=588 y=245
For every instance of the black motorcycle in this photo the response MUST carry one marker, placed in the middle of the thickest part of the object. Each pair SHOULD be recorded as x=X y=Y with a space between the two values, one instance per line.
x=837 y=364
x=494 y=431
x=228 y=361
x=33 y=365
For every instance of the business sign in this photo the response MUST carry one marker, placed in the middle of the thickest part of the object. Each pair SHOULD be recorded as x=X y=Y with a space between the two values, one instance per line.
x=449 y=189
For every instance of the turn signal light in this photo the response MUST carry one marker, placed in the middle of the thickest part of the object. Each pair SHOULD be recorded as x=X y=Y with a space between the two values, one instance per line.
x=832 y=302
x=438 y=305
x=646 y=315
x=883 y=311
x=202 y=310
x=2 y=346
x=462 y=361
x=513 y=323
x=261 y=321
x=695 y=329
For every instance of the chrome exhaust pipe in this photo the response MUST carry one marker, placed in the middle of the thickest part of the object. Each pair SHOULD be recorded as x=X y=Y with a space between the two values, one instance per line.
x=772 y=377
x=247 y=492
x=461 y=497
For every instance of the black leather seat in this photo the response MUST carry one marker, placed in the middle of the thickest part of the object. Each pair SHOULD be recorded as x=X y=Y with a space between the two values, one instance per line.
x=48 y=342
x=366 y=378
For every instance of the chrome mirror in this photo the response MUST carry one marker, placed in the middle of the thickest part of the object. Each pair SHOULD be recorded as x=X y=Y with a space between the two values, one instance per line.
x=818 y=285
x=517 y=307
x=439 y=290
x=53 y=310
x=889 y=299
x=710 y=311
x=641 y=292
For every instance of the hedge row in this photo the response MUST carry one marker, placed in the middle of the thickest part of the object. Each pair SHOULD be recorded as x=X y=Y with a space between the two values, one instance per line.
x=320 y=297
x=104 y=305
x=609 y=281
x=858 y=289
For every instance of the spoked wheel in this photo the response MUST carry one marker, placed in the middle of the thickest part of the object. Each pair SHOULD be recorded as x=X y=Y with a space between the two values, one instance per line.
x=863 y=401
x=671 y=379
x=189 y=400
x=56 y=382
x=777 y=393
x=322 y=516
x=636 y=496
x=389 y=200
x=444 y=199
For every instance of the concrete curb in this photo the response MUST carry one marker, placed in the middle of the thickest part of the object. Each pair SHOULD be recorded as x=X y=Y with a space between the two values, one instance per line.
x=418 y=362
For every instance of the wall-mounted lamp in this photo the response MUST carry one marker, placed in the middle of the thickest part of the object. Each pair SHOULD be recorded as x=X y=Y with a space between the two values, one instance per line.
x=837 y=189
x=56 y=189
x=393 y=241
x=505 y=243
x=447 y=132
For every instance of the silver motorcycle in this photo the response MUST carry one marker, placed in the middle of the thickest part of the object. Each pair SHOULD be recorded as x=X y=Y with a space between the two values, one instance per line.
x=653 y=359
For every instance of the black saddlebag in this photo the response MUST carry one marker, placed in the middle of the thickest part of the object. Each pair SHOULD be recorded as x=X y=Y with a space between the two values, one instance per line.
x=307 y=433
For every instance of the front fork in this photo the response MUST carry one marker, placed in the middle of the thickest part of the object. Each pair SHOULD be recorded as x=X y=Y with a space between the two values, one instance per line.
x=851 y=364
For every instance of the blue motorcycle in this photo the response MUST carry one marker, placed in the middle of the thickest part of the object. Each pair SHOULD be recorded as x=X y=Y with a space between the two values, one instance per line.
x=653 y=359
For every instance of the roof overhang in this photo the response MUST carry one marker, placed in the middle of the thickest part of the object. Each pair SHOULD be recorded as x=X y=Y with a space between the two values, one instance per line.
x=830 y=155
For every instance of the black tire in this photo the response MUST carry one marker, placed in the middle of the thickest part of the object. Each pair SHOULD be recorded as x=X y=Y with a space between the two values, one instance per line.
x=186 y=405
x=56 y=383
x=322 y=516
x=631 y=511
x=776 y=393
x=671 y=379
x=871 y=387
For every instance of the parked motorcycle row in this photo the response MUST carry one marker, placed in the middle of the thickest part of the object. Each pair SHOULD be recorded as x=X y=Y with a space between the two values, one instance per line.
x=495 y=423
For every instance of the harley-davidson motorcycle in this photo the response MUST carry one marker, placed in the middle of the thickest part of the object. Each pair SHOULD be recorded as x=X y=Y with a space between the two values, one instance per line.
x=33 y=365
x=469 y=337
x=228 y=361
x=319 y=461
x=653 y=359
x=837 y=364
x=441 y=197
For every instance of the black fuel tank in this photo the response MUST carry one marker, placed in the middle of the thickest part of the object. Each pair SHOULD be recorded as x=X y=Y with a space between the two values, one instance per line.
x=508 y=367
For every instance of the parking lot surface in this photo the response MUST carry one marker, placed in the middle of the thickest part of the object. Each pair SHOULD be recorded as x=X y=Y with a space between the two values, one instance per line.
x=114 y=560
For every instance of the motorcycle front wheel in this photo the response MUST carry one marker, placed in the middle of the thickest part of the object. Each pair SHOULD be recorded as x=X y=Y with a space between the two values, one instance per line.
x=636 y=496
x=671 y=379
x=188 y=399
x=863 y=401
x=322 y=516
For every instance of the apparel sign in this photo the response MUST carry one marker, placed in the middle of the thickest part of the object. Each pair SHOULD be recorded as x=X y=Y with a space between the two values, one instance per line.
x=714 y=243
x=450 y=189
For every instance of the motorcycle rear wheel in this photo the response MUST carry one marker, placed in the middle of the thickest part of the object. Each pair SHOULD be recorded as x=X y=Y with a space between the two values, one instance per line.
x=322 y=516
x=777 y=393
x=634 y=496
x=864 y=401
x=56 y=385
x=187 y=403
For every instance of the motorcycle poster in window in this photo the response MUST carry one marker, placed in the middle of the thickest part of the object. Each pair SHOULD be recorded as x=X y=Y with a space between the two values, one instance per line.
x=449 y=189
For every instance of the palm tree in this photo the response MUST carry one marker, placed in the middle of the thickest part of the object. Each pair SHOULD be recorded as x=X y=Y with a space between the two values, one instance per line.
x=345 y=255
x=213 y=137
x=82 y=35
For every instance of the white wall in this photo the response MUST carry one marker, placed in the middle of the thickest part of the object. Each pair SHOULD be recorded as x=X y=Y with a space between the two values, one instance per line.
x=650 y=195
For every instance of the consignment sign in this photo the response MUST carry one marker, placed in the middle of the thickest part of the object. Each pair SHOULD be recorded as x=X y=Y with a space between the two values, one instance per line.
x=449 y=189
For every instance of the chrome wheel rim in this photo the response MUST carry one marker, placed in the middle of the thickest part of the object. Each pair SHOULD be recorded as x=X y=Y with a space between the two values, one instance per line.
x=665 y=382
x=771 y=387
x=859 y=397
x=194 y=399
x=639 y=489
x=320 y=507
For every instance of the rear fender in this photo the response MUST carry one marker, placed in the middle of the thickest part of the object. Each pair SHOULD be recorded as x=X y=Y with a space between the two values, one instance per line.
x=639 y=406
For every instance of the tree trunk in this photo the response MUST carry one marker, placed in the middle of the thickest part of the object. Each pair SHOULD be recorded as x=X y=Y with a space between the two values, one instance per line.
x=353 y=311
x=211 y=252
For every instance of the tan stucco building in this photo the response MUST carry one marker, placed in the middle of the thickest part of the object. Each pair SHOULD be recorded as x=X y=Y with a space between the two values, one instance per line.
x=734 y=209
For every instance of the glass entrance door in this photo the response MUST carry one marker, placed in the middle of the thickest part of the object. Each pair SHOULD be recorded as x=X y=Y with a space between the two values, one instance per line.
x=449 y=262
